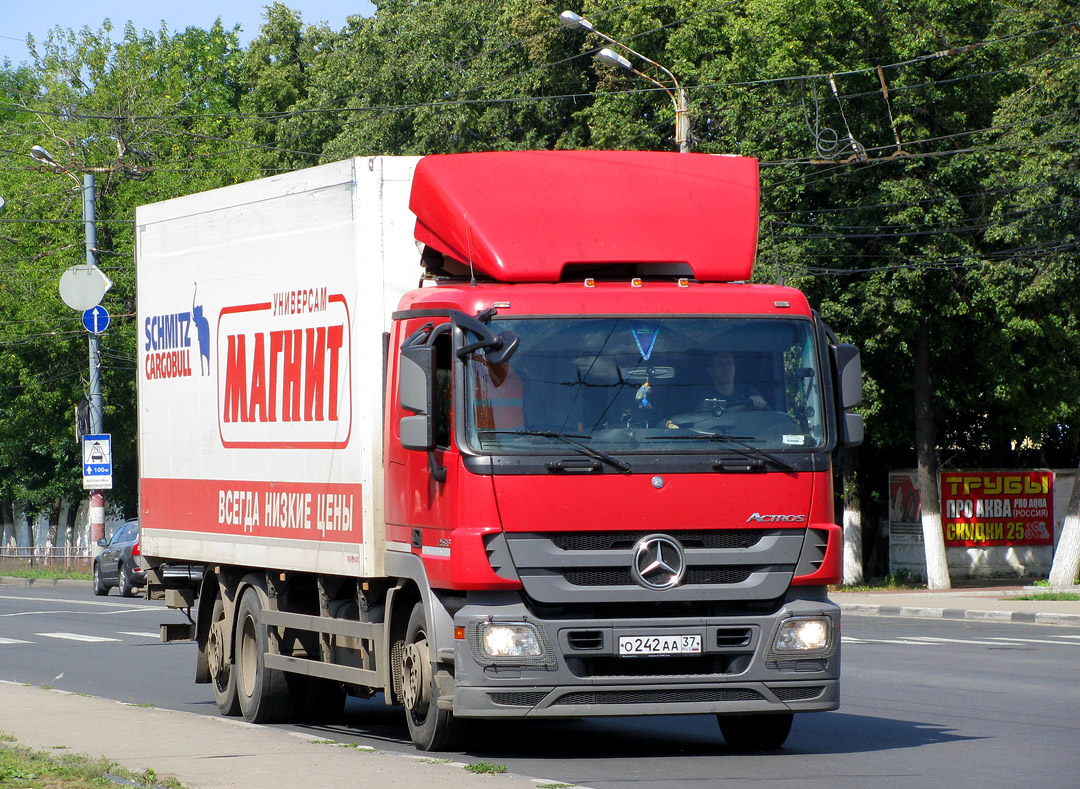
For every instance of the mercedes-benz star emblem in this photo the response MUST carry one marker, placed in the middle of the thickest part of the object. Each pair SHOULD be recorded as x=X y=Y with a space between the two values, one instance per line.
x=659 y=562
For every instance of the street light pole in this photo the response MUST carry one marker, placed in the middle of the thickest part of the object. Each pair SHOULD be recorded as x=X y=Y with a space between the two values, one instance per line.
x=572 y=21
x=39 y=154
x=97 y=497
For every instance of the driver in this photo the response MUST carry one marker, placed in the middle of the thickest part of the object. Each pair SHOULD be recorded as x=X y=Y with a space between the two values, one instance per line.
x=721 y=369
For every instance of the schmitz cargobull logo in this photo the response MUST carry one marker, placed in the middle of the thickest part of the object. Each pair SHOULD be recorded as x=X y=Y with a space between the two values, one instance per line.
x=284 y=372
x=170 y=338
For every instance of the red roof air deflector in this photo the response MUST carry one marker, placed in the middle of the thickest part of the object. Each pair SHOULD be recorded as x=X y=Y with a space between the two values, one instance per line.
x=521 y=216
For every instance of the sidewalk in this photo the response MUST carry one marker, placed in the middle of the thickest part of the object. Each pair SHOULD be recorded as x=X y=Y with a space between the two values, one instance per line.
x=994 y=604
x=209 y=752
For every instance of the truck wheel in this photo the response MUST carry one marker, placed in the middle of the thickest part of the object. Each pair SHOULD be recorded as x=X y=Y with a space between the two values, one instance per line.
x=431 y=729
x=99 y=583
x=263 y=693
x=755 y=732
x=222 y=675
x=127 y=588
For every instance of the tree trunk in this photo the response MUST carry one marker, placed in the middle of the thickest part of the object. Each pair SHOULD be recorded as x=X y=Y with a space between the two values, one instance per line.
x=7 y=523
x=1066 y=566
x=853 y=553
x=24 y=533
x=70 y=512
x=937 y=569
x=52 y=538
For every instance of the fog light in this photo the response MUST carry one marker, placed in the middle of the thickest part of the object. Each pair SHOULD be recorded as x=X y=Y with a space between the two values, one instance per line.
x=800 y=635
x=510 y=639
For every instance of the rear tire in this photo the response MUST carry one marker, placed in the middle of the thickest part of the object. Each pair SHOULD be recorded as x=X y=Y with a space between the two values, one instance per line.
x=222 y=672
x=127 y=588
x=431 y=728
x=99 y=583
x=755 y=732
x=263 y=692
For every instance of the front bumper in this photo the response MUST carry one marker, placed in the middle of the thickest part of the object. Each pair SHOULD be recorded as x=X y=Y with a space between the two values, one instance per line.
x=581 y=673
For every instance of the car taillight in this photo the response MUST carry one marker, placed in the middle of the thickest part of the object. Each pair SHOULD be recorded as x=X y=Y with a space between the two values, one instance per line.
x=136 y=549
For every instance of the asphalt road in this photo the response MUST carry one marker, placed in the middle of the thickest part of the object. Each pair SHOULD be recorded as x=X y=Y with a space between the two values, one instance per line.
x=923 y=702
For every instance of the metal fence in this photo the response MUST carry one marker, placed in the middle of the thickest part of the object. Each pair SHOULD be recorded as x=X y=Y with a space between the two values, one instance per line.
x=45 y=557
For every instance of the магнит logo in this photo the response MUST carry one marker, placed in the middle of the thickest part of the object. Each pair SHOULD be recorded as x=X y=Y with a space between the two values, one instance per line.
x=284 y=372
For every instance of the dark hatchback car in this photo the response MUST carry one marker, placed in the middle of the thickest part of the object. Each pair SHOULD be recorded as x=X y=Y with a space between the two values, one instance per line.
x=118 y=563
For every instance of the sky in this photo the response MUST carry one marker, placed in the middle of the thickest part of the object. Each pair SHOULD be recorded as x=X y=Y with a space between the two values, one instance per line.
x=19 y=17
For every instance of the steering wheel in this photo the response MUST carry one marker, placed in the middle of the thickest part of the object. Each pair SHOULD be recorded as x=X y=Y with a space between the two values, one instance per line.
x=720 y=407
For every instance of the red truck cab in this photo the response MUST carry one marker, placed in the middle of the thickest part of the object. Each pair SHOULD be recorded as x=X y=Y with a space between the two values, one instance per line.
x=606 y=524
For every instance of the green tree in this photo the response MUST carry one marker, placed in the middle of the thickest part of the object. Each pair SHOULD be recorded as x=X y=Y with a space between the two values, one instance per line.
x=153 y=115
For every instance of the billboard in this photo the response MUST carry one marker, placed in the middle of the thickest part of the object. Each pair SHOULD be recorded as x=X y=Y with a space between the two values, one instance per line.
x=985 y=508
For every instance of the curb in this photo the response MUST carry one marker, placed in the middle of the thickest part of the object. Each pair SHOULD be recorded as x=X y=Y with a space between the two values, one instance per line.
x=11 y=580
x=1022 y=617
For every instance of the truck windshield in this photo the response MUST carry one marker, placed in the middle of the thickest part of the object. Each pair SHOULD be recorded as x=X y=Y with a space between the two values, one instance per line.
x=614 y=384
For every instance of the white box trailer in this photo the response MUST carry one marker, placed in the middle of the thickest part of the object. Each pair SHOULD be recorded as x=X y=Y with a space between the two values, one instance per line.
x=303 y=270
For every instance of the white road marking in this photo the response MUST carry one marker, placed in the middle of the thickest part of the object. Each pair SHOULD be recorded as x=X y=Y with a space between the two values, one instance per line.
x=902 y=641
x=78 y=637
x=140 y=635
x=104 y=603
x=934 y=640
x=1035 y=641
x=6 y=641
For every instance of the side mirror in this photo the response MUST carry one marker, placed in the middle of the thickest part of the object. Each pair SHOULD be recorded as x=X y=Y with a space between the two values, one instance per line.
x=851 y=429
x=416 y=392
x=849 y=371
x=102 y=542
x=849 y=376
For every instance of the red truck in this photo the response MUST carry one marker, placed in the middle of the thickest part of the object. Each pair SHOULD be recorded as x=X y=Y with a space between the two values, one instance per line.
x=497 y=435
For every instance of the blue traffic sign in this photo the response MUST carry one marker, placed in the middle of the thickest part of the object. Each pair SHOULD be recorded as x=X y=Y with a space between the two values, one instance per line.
x=97 y=461
x=96 y=319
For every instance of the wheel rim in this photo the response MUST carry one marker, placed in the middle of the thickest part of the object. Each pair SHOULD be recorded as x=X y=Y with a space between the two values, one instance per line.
x=249 y=655
x=215 y=653
x=416 y=678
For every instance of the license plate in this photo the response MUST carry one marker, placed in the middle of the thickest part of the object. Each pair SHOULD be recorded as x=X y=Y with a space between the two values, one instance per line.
x=637 y=646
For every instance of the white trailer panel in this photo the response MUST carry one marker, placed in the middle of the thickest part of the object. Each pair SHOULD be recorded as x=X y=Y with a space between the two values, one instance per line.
x=261 y=312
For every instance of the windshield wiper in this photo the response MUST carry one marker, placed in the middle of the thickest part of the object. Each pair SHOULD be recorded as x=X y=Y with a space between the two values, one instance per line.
x=573 y=440
x=744 y=449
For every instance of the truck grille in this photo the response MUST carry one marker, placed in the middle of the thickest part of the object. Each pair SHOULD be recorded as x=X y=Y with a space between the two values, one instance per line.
x=697 y=575
x=624 y=540
x=609 y=667
x=676 y=696
x=520 y=699
x=738 y=565
x=798 y=694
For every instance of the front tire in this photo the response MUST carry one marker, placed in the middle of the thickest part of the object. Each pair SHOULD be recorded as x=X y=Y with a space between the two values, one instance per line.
x=263 y=692
x=431 y=728
x=222 y=673
x=755 y=732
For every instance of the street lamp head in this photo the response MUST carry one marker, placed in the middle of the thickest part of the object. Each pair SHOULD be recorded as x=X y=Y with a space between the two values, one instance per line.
x=39 y=154
x=572 y=21
x=613 y=58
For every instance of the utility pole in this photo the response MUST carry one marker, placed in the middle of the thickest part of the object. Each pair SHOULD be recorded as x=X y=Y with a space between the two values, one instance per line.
x=97 y=497
x=87 y=187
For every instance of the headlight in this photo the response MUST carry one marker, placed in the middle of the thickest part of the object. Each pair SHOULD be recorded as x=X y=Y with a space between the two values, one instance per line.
x=801 y=635
x=510 y=639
